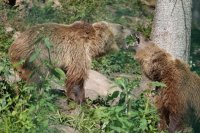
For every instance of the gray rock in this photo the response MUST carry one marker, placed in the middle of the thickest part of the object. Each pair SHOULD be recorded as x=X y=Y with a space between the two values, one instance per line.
x=99 y=85
x=64 y=129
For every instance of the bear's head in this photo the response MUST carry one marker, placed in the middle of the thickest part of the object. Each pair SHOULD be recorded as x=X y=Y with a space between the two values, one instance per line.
x=116 y=34
x=143 y=48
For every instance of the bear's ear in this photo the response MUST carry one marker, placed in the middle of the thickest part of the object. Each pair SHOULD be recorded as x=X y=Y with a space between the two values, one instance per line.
x=141 y=42
x=140 y=39
x=137 y=37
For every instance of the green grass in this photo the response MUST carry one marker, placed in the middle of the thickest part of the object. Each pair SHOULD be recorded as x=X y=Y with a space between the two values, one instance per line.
x=120 y=62
x=24 y=108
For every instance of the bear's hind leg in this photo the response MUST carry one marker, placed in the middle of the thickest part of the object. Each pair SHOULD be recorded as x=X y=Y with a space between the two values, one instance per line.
x=164 y=119
x=175 y=123
x=75 y=90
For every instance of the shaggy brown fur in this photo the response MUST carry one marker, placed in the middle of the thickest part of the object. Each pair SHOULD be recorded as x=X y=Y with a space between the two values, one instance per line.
x=179 y=102
x=73 y=47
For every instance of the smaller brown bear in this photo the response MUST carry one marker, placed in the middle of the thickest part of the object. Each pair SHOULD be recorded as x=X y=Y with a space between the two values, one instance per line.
x=73 y=47
x=179 y=102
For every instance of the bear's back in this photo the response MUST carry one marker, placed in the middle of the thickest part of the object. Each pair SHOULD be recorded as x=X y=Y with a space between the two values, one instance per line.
x=62 y=37
x=78 y=29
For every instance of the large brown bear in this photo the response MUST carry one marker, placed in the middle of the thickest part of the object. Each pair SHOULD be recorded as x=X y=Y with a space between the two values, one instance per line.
x=72 y=48
x=179 y=102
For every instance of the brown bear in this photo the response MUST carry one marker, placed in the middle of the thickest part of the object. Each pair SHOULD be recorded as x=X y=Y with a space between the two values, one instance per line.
x=73 y=47
x=179 y=102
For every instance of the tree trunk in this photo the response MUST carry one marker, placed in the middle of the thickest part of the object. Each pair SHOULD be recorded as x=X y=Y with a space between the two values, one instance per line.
x=172 y=27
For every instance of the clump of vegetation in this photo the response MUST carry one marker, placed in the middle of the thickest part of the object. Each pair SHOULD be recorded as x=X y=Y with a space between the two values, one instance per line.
x=128 y=115
x=120 y=62
x=5 y=41
x=195 y=51
x=23 y=107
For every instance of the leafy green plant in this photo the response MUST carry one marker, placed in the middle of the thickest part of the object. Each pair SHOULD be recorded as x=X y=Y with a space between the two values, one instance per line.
x=23 y=107
x=5 y=41
x=132 y=115
x=145 y=30
x=120 y=62
x=194 y=52
x=84 y=9
x=127 y=115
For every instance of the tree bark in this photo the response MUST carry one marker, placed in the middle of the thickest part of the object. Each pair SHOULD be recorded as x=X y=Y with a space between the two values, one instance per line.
x=172 y=27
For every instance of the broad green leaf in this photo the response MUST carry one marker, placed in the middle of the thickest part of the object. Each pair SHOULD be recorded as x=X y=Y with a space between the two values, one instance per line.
x=1 y=68
x=113 y=95
x=157 y=84
x=58 y=73
x=143 y=124
x=47 y=43
x=130 y=39
x=34 y=56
